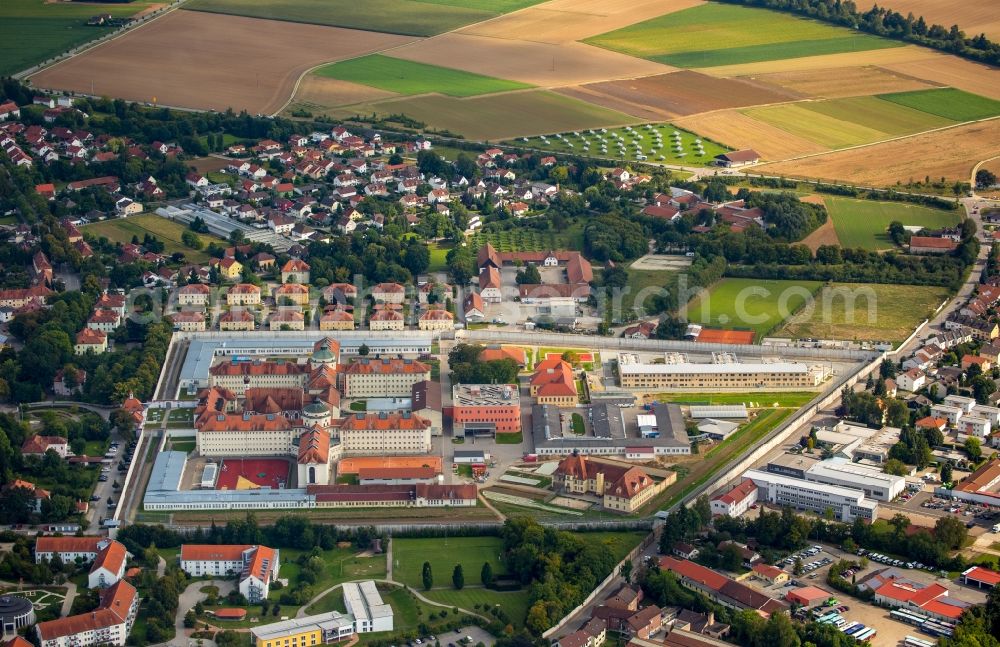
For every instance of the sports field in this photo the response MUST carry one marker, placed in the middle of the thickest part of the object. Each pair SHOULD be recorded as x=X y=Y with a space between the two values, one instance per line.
x=865 y=223
x=948 y=103
x=32 y=31
x=495 y=117
x=721 y=34
x=409 y=555
x=252 y=473
x=657 y=142
x=121 y=230
x=750 y=304
x=861 y=311
x=409 y=77
x=408 y=17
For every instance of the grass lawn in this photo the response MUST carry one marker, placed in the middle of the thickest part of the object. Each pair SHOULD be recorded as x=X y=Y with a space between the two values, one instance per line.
x=409 y=555
x=439 y=253
x=578 y=426
x=340 y=565
x=947 y=102
x=32 y=31
x=722 y=34
x=642 y=285
x=410 y=17
x=510 y=438
x=764 y=420
x=409 y=77
x=620 y=541
x=514 y=603
x=861 y=311
x=183 y=445
x=754 y=304
x=791 y=399
x=169 y=232
x=865 y=223
x=682 y=147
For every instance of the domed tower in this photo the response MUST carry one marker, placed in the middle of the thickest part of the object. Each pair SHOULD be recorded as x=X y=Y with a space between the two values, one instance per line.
x=316 y=414
x=326 y=351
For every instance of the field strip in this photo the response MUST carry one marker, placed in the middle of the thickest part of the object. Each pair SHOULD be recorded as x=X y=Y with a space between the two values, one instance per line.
x=886 y=141
x=86 y=47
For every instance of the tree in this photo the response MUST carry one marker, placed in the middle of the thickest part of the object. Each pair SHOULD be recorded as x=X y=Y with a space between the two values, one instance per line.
x=458 y=577
x=950 y=531
x=896 y=467
x=363 y=350
x=189 y=619
x=973 y=449
x=486 y=575
x=529 y=275
x=428 y=576
x=985 y=178
x=626 y=571
x=946 y=474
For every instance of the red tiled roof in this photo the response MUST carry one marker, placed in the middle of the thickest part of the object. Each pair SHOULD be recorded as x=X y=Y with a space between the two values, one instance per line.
x=295 y=265
x=695 y=572
x=931 y=242
x=984 y=575
x=212 y=552
x=67 y=544
x=738 y=493
x=436 y=315
x=314 y=447
x=386 y=365
x=229 y=367
x=39 y=444
x=112 y=558
x=116 y=601
x=366 y=421
x=396 y=473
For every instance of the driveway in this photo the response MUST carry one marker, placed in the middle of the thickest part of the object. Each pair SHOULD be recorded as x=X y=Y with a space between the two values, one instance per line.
x=191 y=596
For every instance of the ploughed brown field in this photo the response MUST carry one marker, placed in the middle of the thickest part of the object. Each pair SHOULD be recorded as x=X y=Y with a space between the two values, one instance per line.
x=681 y=93
x=950 y=153
x=971 y=16
x=210 y=61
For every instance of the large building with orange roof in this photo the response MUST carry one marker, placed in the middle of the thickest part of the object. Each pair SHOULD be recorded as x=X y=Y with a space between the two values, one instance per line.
x=553 y=383
x=383 y=377
x=108 y=624
x=257 y=566
x=380 y=434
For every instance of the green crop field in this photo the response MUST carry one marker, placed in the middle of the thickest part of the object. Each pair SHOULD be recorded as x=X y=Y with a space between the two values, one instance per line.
x=495 y=117
x=799 y=120
x=603 y=143
x=409 y=77
x=721 y=34
x=861 y=311
x=32 y=31
x=750 y=304
x=947 y=102
x=121 y=230
x=407 y=17
x=865 y=223
x=884 y=116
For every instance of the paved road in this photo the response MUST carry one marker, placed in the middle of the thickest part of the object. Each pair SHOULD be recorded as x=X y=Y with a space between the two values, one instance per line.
x=67 y=604
x=191 y=596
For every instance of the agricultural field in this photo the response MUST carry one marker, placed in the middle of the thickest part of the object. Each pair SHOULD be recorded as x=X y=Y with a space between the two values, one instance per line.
x=948 y=103
x=971 y=17
x=407 y=17
x=205 y=61
x=824 y=130
x=665 y=96
x=754 y=304
x=121 y=230
x=886 y=117
x=720 y=34
x=865 y=312
x=408 y=77
x=524 y=239
x=658 y=142
x=949 y=153
x=865 y=223
x=495 y=117
x=32 y=31
x=738 y=131
x=840 y=82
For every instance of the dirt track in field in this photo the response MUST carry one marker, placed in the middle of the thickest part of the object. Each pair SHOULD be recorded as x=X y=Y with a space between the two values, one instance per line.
x=564 y=21
x=681 y=93
x=949 y=153
x=210 y=61
x=842 y=82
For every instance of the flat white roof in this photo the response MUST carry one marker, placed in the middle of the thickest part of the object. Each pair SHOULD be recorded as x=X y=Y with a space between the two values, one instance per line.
x=329 y=621
x=855 y=473
x=788 y=481
x=684 y=368
x=363 y=600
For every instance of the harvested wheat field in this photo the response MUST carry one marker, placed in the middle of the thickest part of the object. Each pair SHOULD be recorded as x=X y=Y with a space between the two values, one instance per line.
x=685 y=93
x=971 y=17
x=321 y=91
x=949 y=153
x=641 y=111
x=951 y=70
x=737 y=130
x=563 y=21
x=210 y=61
x=877 y=57
x=540 y=64
x=842 y=82
x=825 y=234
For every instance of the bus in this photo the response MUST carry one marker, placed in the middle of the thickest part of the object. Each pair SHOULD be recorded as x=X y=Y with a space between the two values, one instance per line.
x=865 y=635
x=905 y=616
x=827 y=617
x=913 y=641
x=830 y=620
x=856 y=629
x=851 y=626
x=935 y=628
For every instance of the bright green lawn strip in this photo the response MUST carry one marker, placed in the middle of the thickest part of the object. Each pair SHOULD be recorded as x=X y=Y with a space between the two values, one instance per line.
x=750 y=304
x=793 y=399
x=32 y=31
x=827 y=131
x=721 y=34
x=884 y=116
x=947 y=102
x=750 y=429
x=865 y=223
x=775 y=51
x=409 y=77
x=514 y=603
